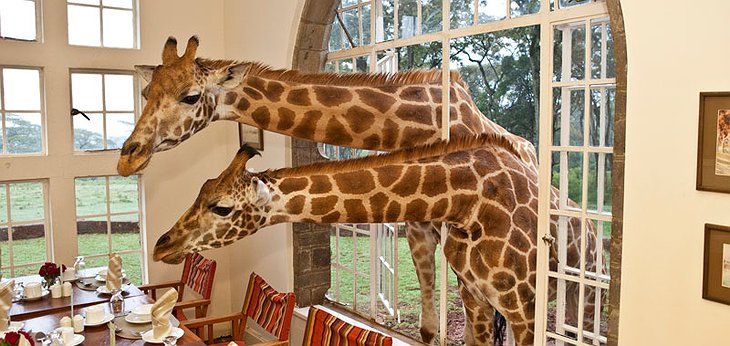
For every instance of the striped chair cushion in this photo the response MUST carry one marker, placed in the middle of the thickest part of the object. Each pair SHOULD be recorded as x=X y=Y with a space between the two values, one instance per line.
x=201 y=270
x=268 y=308
x=324 y=329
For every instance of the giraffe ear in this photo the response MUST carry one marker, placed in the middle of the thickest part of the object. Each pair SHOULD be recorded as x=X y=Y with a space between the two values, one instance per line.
x=233 y=75
x=263 y=194
x=145 y=71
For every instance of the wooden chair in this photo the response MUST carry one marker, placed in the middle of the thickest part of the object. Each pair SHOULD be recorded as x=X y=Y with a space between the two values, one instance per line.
x=324 y=329
x=198 y=274
x=267 y=307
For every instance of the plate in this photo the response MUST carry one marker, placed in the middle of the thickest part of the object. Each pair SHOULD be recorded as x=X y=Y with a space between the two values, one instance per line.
x=145 y=309
x=147 y=336
x=137 y=319
x=108 y=317
x=103 y=290
x=44 y=293
x=78 y=339
x=103 y=278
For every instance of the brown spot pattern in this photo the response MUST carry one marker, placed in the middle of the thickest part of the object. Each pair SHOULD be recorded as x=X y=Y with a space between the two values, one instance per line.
x=307 y=125
x=253 y=93
x=416 y=210
x=434 y=178
x=323 y=205
x=358 y=182
x=261 y=116
x=230 y=98
x=359 y=119
x=330 y=96
x=286 y=119
x=409 y=183
x=295 y=205
x=290 y=185
x=337 y=133
x=413 y=93
x=463 y=178
x=320 y=184
x=421 y=114
x=299 y=97
x=356 y=211
x=387 y=175
x=378 y=100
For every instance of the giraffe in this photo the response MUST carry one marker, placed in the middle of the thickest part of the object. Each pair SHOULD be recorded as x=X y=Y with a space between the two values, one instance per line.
x=370 y=111
x=478 y=185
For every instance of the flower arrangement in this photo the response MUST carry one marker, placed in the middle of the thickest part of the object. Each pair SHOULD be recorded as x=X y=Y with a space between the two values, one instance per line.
x=49 y=272
x=14 y=339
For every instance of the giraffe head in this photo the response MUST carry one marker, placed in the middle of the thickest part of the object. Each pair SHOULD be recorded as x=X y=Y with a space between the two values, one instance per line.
x=228 y=208
x=181 y=100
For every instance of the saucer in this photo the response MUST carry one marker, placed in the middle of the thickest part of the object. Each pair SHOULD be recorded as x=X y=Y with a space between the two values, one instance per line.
x=101 y=278
x=147 y=336
x=103 y=290
x=108 y=317
x=138 y=319
x=44 y=293
x=78 y=339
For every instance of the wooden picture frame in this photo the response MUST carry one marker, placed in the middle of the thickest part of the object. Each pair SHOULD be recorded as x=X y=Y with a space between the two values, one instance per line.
x=251 y=135
x=716 y=277
x=713 y=148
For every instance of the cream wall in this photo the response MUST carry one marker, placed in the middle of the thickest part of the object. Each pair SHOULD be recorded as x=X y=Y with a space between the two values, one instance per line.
x=675 y=50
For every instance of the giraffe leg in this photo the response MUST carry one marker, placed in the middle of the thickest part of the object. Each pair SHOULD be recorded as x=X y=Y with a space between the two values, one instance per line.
x=479 y=327
x=422 y=241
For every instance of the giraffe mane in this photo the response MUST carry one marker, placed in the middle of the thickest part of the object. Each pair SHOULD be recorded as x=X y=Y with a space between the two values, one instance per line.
x=417 y=76
x=399 y=156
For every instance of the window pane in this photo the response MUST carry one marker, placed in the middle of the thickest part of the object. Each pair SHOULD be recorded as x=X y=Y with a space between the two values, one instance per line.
x=352 y=25
x=118 y=3
x=492 y=10
x=384 y=21
x=523 y=7
x=118 y=28
x=92 y=236
x=407 y=13
x=119 y=92
x=3 y=204
x=118 y=128
x=125 y=233
x=335 y=36
x=123 y=194
x=431 y=16
x=366 y=30
x=22 y=89
x=24 y=131
x=89 y=134
x=4 y=248
x=132 y=264
x=18 y=19
x=26 y=202
x=29 y=244
x=87 y=2
x=91 y=196
x=86 y=92
x=346 y=3
x=462 y=13
x=84 y=26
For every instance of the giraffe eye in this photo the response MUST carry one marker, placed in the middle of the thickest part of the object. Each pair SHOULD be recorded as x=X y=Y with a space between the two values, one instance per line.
x=191 y=99
x=221 y=211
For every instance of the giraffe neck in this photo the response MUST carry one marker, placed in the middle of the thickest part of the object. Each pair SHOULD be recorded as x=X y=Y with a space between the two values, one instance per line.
x=368 y=117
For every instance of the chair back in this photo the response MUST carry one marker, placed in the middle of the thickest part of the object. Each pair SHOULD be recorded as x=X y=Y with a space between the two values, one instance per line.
x=324 y=329
x=269 y=308
x=199 y=274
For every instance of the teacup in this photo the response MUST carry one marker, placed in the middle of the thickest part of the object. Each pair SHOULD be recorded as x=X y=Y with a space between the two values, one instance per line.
x=67 y=335
x=143 y=311
x=32 y=290
x=95 y=314
x=69 y=274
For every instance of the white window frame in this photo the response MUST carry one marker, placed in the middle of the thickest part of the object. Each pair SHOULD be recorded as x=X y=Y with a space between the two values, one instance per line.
x=4 y=111
x=38 y=25
x=101 y=7
x=546 y=18
x=9 y=225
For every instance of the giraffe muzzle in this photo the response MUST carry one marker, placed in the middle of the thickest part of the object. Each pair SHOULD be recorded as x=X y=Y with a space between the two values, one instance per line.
x=133 y=158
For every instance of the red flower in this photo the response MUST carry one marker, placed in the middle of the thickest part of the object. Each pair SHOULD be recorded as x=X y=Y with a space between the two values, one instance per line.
x=12 y=338
x=27 y=337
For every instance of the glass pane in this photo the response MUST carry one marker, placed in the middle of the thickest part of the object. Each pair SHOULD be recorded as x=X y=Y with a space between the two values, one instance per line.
x=595 y=316
x=345 y=66
x=89 y=134
x=347 y=3
x=118 y=28
x=578 y=53
x=92 y=237
x=566 y=231
x=491 y=10
x=91 y=196
x=117 y=3
x=26 y=202
x=98 y=262
x=132 y=264
x=18 y=19
x=22 y=89
x=407 y=15
x=558 y=54
x=601 y=257
x=25 y=133
x=362 y=63
x=123 y=194
x=570 y=182
x=569 y=3
x=86 y=92
x=87 y=2
x=602 y=115
x=562 y=307
x=462 y=13
x=27 y=270
x=125 y=232
x=335 y=36
x=384 y=21
x=608 y=185
x=523 y=7
x=3 y=204
x=352 y=25
x=577 y=115
x=119 y=92
x=118 y=127
x=329 y=66
x=557 y=115
x=366 y=25
x=425 y=55
x=4 y=248
x=431 y=16
x=29 y=244
x=84 y=26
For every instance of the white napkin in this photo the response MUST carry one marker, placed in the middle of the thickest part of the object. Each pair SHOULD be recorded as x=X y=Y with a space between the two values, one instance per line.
x=161 y=311
x=6 y=302
x=114 y=272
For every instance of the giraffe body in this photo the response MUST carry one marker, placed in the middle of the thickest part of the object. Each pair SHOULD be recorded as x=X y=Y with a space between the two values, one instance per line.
x=479 y=186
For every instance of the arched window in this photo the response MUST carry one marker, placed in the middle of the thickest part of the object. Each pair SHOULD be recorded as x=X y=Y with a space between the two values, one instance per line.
x=545 y=70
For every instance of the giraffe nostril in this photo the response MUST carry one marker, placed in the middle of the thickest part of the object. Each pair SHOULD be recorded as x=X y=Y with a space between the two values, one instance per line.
x=164 y=240
x=130 y=149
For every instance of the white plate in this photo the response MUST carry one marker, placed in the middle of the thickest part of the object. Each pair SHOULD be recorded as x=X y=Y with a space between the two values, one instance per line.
x=137 y=319
x=103 y=278
x=44 y=293
x=104 y=320
x=103 y=290
x=147 y=336
x=78 y=339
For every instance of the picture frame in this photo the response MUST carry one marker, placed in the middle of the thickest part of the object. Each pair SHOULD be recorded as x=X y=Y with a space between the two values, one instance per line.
x=716 y=271
x=251 y=135
x=713 y=149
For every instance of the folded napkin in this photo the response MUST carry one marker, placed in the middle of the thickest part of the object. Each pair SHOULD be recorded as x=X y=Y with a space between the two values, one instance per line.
x=114 y=272
x=6 y=302
x=161 y=311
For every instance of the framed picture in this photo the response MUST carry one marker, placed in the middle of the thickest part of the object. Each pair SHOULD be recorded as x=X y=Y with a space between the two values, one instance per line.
x=716 y=279
x=713 y=156
x=251 y=136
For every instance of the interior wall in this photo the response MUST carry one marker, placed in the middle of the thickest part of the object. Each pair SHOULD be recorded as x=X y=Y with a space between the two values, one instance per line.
x=674 y=52
x=262 y=31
